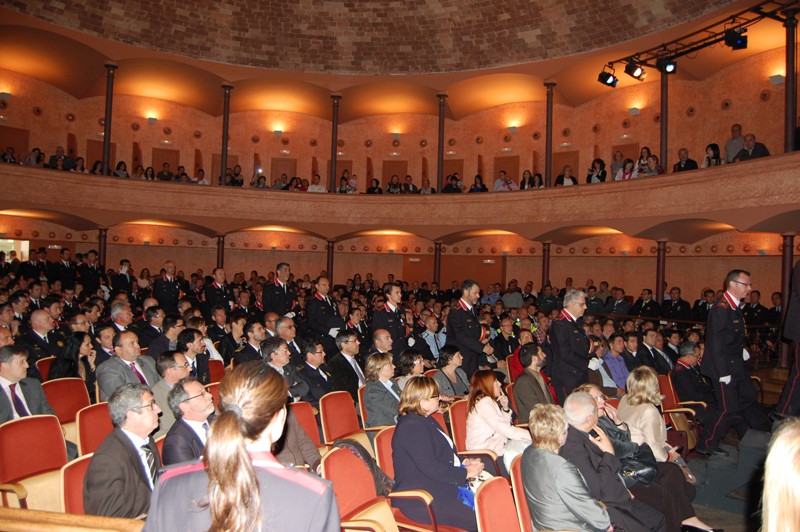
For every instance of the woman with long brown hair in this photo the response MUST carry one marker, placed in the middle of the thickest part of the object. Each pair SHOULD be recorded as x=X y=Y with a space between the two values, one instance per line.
x=239 y=486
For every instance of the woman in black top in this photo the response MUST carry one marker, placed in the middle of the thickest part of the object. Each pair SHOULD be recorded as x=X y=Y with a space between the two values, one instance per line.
x=76 y=359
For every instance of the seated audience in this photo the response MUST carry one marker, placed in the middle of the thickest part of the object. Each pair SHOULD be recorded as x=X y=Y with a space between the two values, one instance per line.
x=76 y=359
x=345 y=368
x=627 y=171
x=452 y=380
x=172 y=367
x=239 y=480
x=599 y=372
x=566 y=178
x=381 y=393
x=127 y=367
x=597 y=173
x=425 y=458
x=615 y=362
x=253 y=335
x=557 y=495
x=652 y=167
x=230 y=342
x=477 y=185
x=751 y=149
x=375 y=187
x=275 y=352
x=314 y=372
x=504 y=183
x=530 y=388
x=23 y=395
x=410 y=365
x=712 y=156
x=193 y=408
x=684 y=162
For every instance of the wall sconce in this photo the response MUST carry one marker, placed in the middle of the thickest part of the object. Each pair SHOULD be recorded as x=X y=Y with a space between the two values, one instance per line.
x=450 y=153
x=394 y=154
x=777 y=79
x=278 y=133
x=395 y=135
x=487 y=261
x=626 y=136
x=512 y=129
x=505 y=150
x=152 y=120
x=285 y=152
x=5 y=95
x=101 y=133
x=634 y=111
x=565 y=145
x=166 y=143
x=3 y=118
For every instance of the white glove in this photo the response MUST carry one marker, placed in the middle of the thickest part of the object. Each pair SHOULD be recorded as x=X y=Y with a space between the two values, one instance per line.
x=411 y=342
x=594 y=364
x=745 y=354
x=725 y=380
x=333 y=332
x=290 y=314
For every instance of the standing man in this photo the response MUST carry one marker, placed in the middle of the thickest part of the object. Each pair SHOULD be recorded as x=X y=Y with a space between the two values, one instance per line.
x=392 y=318
x=734 y=144
x=723 y=363
x=219 y=293
x=166 y=289
x=279 y=296
x=570 y=345
x=320 y=309
x=465 y=331
x=789 y=405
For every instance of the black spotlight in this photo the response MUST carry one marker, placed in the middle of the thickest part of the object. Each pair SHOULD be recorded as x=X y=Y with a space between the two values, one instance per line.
x=607 y=77
x=736 y=39
x=635 y=70
x=666 y=65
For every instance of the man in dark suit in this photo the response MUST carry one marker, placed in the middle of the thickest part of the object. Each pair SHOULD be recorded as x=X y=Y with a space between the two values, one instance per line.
x=647 y=355
x=172 y=325
x=754 y=312
x=41 y=341
x=314 y=372
x=617 y=305
x=276 y=354
x=219 y=293
x=320 y=309
x=287 y=331
x=571 y=347
x=346 y=372
x=150 y=328
x=68 y=162
x=219 y=319
x=751 y=150
x=122 y=472
x=193 y=408
x=124 y=279
x=392 y=318
x=23 y=395
x=465 y=331
x=126 y=367
x=723 y=363
x=594 y=458
x=278 y=296
x=64 y=270
x=676 y=308
x=684 y=162
x=789 y=404
x=646 y=306
x=167 y=289
x=190 y=344
x=251 y=350
x=701 y=306
x=91 y=274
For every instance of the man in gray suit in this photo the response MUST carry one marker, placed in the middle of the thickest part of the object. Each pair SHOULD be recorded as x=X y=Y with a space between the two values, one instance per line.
x=276 y=353
x=127 y=367
x=172 y=366
x=21 y=396
x=530 y=388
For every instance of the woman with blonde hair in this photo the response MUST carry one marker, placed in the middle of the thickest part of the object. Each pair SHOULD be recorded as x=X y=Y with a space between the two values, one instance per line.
x=239 y=485
x=381 y=393
x=781 y=496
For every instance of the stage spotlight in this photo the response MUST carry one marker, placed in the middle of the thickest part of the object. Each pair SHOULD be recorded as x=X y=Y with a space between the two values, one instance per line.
x=607 y=77
x=635 y=70
x=666 y=65
x=736 y=39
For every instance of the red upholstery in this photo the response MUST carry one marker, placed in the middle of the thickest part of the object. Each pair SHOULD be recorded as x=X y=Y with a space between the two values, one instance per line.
x=439 y=417
x=430 y=373
x=304 y=413
x=353 y=484
x=43 y=365
x=213 y=389
x=66 y=397
x=31 y=445
x=523 y=512
x=511 y=400
x=458 y=424
x=72 y=476
x=94 y=424
x=338 y=416
x=494 y=507
x=160 y=445
x=362 y=410
x=383 y=450
x=216 y=370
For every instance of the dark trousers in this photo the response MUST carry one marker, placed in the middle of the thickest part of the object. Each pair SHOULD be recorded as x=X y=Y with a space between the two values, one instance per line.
x=790 y=397
x=735 y=399
x=669 y=493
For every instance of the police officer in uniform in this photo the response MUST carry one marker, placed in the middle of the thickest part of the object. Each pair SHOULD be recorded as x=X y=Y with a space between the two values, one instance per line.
x=166 y=289
x=570 y=345
x=392 y=317
x=219 y=293
x=279 y=296
x=320 y=308
x=465 y=331
x=789 y=405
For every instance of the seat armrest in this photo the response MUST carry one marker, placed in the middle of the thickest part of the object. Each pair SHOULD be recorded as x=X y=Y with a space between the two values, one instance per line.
x=18 y=490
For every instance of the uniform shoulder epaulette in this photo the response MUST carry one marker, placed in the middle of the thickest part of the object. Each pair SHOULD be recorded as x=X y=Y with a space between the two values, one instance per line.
x=242 y=347
x=723 y=304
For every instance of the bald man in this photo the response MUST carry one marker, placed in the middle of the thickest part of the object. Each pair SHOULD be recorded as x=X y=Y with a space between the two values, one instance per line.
x=41 y=341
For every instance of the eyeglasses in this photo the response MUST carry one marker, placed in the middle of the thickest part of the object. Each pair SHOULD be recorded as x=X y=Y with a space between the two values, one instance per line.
x=743 y=283
x=320 y=352
x=194 y=397
x=151 y=405
x=185 y=366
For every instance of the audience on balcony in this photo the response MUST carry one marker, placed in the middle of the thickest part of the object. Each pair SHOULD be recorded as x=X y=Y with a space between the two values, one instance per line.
x=597 y=173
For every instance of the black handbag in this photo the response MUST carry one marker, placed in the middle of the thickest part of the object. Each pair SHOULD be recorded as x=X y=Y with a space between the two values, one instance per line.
x=641 y=467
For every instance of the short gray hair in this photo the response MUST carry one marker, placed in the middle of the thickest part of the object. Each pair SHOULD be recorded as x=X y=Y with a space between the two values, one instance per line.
x=178 y=395
x=578 y=406
x=687 y=348
x=573 y=295
x=124 y=399
x=118 y=308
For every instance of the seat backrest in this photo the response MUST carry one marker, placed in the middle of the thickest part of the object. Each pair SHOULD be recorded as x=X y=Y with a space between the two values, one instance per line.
x=439 y=417
x=458 y=424
x=30 y=445
x=665 y=388
x=613 y=401
x=518 y=489
x=494 y=506
x=383 y=450
x=213 y=389
x=160 y=446
x=680 y=422
x=430 y=373
x=510 y=360
x=94 y=424
x=216 y=370
x=353 y=484
x=362 y=410
x=338 y=415
x=44 y=365
x=304 y=413
x=511 y=400
x=72 y=475
x=66 y=397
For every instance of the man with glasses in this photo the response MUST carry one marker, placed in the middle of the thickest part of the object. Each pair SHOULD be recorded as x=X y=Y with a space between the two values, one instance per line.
x=346 y=371
x=276 y=354
x=173 y=367
x=123 y=470
x=314 y=372
x=172 y=325
x=287 y=331
x=723 y=363
x=193 y=408
x=126 y=366
x=150 y=329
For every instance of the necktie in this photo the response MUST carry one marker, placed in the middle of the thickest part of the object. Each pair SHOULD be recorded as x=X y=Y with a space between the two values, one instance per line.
x=193 y=372
x=323 y=374
x=205 y=428
x=151 y=463
x=357 y=369
x=19 y=406
x=138 y=375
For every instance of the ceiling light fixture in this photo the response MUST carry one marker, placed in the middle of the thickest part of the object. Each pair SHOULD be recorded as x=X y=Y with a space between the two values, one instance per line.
x=607 y=77
x=635 y=70
x=736 y=39
x=666 y=65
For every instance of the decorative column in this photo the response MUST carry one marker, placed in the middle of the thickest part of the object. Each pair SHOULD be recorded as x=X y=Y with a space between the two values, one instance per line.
x=440 y=153
x=548 y=141
x=220 y=251
x=664 y=120
x=437 y=262
x=110 y=68
x=101 y=246
x=330 y=261
x=790 y=112
x=661 y=261
x=786 y=277
x=226 y=115
x=545 y=263
x=334 y=142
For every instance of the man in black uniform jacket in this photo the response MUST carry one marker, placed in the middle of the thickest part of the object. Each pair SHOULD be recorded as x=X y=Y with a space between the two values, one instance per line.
x=789 y=405
x=219 y=293
x=392 y=317
x=646 y=306
x=320 y=308
x=723 y=363
x=278 y=296
x=166 y=289
x=314 y=372
x=91 y=274
x=123 y=281
x=570 y=345
x=465 y=331
x=676 y=308
x=64 y=270
x=251 y=350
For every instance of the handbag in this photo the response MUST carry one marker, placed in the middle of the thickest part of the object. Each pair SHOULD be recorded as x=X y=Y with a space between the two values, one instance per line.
x=641 y=467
